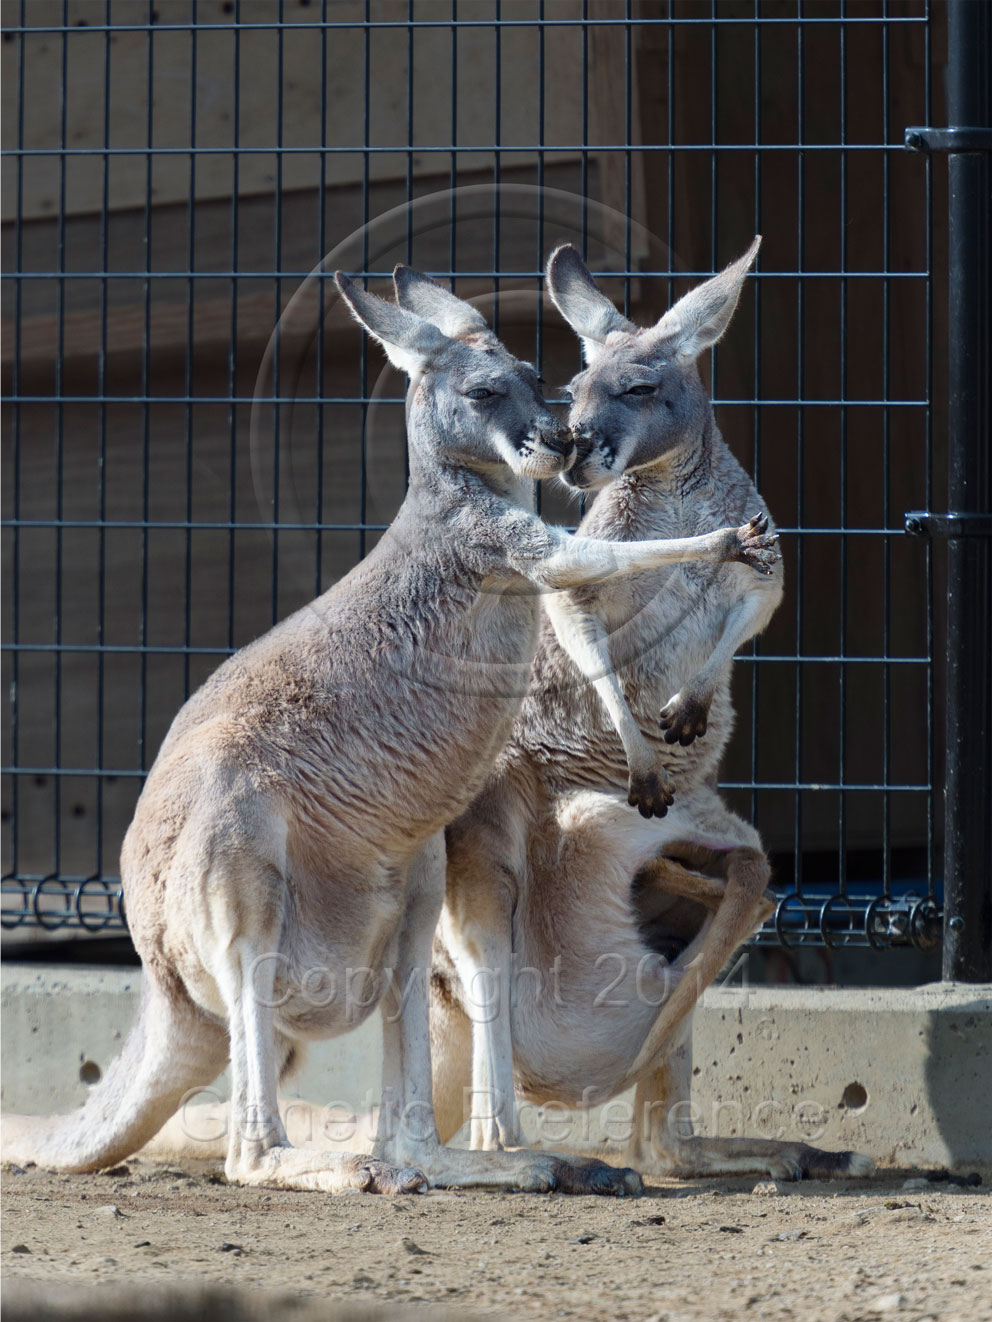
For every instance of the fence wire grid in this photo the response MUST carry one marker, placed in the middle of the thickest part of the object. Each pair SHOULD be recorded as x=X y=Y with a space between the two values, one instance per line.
x=173 y=171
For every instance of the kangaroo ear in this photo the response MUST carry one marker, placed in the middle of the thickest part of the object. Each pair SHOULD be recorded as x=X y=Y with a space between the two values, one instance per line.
x=701 y=317
x=410 y=342
x=581 y=302
x=430 y=300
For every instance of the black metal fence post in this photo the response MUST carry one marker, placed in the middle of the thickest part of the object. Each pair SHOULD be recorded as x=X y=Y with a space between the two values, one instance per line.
x=968 y=840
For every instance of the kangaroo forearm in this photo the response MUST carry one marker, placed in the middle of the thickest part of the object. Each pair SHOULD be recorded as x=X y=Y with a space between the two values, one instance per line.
x=582 y=635
x=747 y=618
x=582 y=560
x=638 y=751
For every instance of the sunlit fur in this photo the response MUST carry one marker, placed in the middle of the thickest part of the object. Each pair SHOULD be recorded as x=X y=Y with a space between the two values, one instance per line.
x=601 y=926
x=289 y=836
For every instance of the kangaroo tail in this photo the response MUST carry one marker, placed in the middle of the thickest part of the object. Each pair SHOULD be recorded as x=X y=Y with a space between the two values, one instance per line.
x=451 y=1053
x=171 y=1049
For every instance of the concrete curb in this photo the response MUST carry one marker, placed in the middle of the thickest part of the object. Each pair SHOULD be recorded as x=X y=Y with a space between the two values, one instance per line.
x=904 y=1075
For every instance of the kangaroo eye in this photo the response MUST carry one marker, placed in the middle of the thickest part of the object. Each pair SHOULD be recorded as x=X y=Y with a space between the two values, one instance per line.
x=480 y=392
x=641 y=390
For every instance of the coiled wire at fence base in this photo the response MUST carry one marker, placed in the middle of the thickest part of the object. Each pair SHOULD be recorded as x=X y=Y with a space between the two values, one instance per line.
x=36 y=904
x=836 y=920
x=865 y=922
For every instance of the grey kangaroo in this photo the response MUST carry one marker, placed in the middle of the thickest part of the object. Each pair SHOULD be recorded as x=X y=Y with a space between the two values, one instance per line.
x=285 y=868
x=577 y=936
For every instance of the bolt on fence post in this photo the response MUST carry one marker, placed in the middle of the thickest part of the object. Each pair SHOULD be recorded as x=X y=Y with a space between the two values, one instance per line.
x=968 y=785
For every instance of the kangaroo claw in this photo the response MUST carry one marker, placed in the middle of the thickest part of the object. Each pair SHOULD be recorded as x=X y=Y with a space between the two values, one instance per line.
x=683 y=719
x=756 y=546
x=650 y=793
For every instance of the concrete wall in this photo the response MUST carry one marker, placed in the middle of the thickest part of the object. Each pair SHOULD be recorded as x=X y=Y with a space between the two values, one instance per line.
x=904 y=1075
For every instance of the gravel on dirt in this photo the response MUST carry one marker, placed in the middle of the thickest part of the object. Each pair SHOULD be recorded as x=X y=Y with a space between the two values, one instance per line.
x=685 y=1252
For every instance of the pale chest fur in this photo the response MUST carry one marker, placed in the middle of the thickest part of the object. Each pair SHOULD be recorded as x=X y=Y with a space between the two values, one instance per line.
x=662 y=627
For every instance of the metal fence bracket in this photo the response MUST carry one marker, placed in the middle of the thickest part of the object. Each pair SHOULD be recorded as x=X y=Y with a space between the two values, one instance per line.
x=950 y=139
x=921 y=523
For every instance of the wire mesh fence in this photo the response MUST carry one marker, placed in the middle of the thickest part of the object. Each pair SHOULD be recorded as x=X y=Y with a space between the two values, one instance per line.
x=194 y=445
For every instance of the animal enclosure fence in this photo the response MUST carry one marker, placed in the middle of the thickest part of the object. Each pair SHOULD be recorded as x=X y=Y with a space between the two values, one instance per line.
x=193 y=448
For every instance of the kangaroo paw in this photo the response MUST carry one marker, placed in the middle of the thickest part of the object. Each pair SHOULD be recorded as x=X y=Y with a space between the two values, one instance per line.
x=379 y=1177
x=591 y=1176
x=756 y=546
x=650 y=792
x=684 y=718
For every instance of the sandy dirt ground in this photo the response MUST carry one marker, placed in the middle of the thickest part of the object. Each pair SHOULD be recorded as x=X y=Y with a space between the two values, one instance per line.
x=712 y=1250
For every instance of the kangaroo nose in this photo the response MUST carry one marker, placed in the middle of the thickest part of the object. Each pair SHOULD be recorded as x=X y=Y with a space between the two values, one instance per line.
x=560 y=442
x=584 y=431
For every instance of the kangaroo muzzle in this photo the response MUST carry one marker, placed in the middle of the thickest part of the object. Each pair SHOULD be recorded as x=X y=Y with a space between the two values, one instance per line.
x=561 y=443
